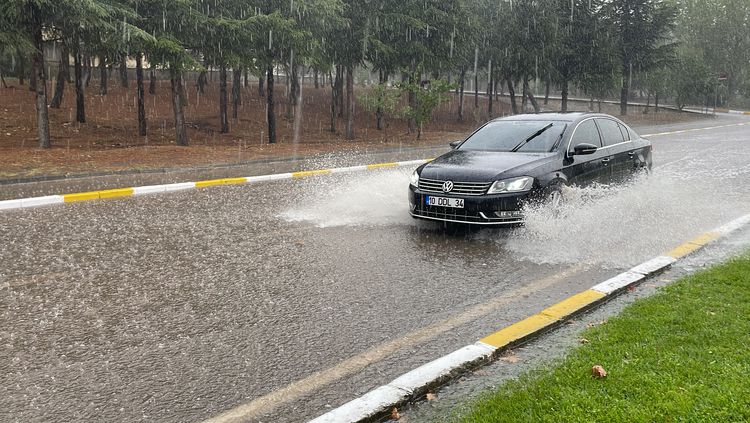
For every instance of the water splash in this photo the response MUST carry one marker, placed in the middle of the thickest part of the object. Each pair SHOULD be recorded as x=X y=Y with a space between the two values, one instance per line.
x=622 y=225
x=372 y=199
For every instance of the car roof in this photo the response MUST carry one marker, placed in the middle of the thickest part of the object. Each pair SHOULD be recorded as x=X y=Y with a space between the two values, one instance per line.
x=554 y=116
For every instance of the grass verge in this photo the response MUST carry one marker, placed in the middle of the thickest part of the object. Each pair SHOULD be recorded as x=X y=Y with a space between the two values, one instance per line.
x=680 y=355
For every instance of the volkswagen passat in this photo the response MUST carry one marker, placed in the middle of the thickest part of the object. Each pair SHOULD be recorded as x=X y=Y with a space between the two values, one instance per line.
x=487 y=178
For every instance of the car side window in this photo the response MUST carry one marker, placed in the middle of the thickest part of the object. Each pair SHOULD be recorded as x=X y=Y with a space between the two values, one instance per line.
x=586 y=132
x=610 y=130
x=624 y=132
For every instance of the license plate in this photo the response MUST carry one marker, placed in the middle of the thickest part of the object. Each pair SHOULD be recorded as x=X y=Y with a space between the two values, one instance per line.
x=456 y=203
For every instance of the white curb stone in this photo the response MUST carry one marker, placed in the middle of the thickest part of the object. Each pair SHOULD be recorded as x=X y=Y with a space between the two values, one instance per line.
x=274 y=177
x=10 y=204
x=420 y=378
x=149 y=189
x=618 y=282
x=654 y=265
x=178 y=187
x=367 y=406
x=42 y=201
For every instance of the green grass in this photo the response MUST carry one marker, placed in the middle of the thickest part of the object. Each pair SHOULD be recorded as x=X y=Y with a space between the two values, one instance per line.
x=680 y=355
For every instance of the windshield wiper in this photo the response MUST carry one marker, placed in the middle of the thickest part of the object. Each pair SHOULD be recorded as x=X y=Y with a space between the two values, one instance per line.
x=531 y=137
x=554 y=146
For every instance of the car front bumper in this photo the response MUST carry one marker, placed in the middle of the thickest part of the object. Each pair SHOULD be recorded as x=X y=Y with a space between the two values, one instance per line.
x=495 y=209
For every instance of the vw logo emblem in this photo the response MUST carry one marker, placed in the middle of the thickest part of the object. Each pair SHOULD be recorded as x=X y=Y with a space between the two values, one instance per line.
x=448 y=186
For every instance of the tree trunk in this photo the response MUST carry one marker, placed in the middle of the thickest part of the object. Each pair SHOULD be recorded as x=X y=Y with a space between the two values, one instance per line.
x=476 y=90
x=142 y=130
x=124 y=70
x=413 y=80
x=624 y=91
x=236 y=91
x=2 y=79
x=512 y=94
x=152 y=81
x=315 y=79
x=489 y=93
x=201 y=83
x=62 y=77
x=223 y=116
x=293 y=78
x=32 y=79
x=103 y=77
x=178 y=104
x=247 y=77
x=564 y=96
x=379 y=111
x=339 y=90
x=86 y=70
x=42 y=116
x=350 y=102
x=80 y=99
x=461 y=84
x=656 y=102
x=648 y=103
x=261 y=91
x=21 y=74
x=270 y=112
x=530 y=95
x=334 y=103
x=546 y=91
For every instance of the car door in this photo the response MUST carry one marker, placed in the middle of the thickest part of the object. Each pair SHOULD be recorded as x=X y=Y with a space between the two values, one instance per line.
x=591 y=168
x=619 y=149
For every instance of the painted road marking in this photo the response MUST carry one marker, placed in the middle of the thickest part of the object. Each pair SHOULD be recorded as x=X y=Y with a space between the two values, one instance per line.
x=81 y=196
x=358 y=362
x=693 y=245
x=439 y=371
x=681 y=131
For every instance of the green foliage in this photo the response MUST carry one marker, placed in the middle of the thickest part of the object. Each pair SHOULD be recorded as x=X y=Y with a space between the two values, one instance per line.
x=680 y=355
x=383 y=99
x=427 y=98
x=692 y=80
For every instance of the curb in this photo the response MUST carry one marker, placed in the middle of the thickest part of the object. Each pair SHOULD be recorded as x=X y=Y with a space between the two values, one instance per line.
x=155 y=189
x=412 y=385
x=733 y=112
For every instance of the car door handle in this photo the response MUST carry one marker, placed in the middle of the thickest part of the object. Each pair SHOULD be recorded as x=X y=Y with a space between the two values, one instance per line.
x=631 y=154
x=605 y=161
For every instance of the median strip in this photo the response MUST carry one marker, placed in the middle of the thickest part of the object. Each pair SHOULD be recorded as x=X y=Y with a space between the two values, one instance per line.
x=156 y=189
x=412 y=385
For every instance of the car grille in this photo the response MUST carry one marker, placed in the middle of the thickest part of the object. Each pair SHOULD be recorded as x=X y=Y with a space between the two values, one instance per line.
x=459 y=188
x=460 y=215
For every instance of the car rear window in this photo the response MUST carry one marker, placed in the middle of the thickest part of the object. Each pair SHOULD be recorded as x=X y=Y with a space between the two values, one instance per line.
x=610 y=131
x=504 y=135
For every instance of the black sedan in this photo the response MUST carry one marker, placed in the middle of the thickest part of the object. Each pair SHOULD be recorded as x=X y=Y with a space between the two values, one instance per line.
x=487 y=178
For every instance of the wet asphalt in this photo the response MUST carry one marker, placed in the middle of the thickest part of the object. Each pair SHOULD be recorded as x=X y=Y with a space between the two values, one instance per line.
x=180 y=306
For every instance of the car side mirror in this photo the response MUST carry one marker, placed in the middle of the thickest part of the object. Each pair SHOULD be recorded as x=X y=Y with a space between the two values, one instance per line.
x=584 y=149
x=455 y=144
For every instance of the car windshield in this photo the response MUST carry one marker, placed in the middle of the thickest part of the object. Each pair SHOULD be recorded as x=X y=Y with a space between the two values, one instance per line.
x=507 y=135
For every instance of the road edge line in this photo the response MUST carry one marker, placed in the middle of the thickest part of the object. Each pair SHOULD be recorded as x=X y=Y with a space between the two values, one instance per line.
x=416 y=383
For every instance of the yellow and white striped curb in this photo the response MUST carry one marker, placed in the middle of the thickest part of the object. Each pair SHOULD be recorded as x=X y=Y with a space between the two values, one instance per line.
x=734 y=112
x=155 y=189
x=417 y=382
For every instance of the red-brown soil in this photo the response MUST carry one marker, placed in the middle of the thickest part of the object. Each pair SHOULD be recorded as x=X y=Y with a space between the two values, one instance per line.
x=108 y=141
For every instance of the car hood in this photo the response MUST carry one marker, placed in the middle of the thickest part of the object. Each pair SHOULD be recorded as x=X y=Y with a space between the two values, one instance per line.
x=483 y=166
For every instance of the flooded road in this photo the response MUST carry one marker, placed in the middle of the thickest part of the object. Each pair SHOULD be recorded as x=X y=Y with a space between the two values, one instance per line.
x=292 y=297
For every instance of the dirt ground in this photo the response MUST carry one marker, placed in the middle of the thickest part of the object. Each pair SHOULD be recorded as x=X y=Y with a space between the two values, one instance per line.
x=108 y=141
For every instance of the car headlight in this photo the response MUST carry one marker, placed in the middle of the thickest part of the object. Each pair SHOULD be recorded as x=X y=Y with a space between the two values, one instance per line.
x=523 y=183
x=414 y=180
